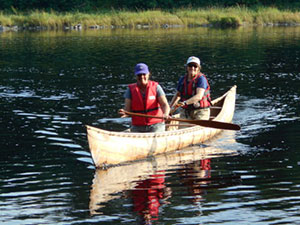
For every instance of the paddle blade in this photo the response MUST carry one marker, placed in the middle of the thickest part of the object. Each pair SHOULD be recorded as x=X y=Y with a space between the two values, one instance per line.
x=217 y=124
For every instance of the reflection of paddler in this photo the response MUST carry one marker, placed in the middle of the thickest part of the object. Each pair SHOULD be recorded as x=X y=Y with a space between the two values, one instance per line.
x=147 y=196
x=205 y=164
x=196 y=177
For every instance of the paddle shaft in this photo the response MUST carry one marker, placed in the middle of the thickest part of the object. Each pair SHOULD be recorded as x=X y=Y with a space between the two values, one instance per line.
x=204 y=123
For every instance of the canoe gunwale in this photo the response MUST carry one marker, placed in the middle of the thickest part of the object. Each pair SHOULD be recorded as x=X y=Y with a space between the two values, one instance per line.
x=146 y=135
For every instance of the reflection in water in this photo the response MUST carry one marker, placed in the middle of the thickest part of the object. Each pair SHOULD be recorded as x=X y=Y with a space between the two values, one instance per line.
x=198 y=179
x=146 y=179
x=149 y=195
x=196 y=176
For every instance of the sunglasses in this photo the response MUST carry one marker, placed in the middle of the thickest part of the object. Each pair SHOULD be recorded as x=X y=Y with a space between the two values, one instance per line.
x=193 y=65
x=141 y=74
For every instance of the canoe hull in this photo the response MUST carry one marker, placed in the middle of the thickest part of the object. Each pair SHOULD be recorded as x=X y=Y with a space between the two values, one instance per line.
x=110 y=148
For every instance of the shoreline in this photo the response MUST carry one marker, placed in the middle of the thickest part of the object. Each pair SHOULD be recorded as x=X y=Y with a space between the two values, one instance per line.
x=79 y=27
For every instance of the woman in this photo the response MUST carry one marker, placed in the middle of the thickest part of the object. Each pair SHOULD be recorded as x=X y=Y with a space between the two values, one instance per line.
x=193 y=92
x=145 y=96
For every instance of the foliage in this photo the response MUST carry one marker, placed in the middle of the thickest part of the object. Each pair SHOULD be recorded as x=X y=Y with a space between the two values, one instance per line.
x=88 y=5
x=216 y=16
x=228 y=21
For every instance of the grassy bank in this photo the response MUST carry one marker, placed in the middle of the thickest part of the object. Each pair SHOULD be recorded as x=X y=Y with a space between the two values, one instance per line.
x=224 y=17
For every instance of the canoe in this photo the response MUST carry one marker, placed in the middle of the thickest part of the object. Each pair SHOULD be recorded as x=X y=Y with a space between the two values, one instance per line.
x=111 y=147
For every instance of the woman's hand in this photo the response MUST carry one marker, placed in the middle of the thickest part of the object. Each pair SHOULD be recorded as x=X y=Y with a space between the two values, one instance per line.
x=122 y=113
x=180 y=104
x=167 y=117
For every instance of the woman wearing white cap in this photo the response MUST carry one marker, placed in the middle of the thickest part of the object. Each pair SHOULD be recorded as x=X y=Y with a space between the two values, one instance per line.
x=147 y=97
x=193 y=92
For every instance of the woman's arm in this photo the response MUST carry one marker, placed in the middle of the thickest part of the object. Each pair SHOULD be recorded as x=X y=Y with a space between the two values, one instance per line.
x=197 y=97
x=175 y=99
x=127 y=108
x=164 y=105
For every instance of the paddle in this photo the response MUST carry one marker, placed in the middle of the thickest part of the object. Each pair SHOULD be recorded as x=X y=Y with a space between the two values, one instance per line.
x=204 y=123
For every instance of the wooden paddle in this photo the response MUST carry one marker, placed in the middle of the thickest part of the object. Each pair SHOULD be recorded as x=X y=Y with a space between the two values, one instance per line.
x=204 y=123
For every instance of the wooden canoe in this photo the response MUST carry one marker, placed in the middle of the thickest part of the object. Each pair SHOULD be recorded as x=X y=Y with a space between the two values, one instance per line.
x=111 y=147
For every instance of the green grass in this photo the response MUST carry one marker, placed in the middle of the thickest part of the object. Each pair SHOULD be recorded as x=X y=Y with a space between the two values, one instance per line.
x=220 y=17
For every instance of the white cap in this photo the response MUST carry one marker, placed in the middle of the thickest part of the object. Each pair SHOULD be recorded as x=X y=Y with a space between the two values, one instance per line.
x=193 y=59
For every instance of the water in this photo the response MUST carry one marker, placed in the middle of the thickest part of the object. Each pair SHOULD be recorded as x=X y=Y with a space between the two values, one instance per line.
x=54 y=83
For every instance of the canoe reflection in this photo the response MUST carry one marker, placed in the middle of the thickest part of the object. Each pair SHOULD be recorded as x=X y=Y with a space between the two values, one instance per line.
x=145 y=180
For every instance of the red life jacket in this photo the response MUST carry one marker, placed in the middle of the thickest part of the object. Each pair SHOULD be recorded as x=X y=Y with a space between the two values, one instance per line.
x=148 y=105
x=190 y=90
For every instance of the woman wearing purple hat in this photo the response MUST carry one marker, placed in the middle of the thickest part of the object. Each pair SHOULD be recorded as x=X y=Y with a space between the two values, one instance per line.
x=193 y=92
x=147 y=97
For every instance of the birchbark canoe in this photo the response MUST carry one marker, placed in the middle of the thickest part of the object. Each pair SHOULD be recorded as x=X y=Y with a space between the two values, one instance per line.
x=111 y=147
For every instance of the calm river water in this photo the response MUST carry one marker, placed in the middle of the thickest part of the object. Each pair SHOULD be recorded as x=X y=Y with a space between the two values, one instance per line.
x=54 y=83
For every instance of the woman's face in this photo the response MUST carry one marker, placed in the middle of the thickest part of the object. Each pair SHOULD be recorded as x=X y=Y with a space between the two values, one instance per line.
x=142 y=79
x=193 y=69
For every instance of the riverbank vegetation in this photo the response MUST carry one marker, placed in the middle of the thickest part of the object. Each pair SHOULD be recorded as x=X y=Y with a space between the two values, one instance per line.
x=216 y=16
x=90 y=5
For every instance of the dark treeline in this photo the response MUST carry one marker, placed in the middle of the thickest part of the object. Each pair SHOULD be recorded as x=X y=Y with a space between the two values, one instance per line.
x=88 y=5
